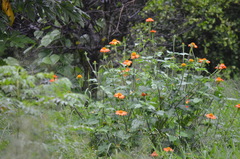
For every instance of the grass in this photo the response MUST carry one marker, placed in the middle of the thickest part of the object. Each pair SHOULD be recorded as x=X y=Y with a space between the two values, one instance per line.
x=47 y=131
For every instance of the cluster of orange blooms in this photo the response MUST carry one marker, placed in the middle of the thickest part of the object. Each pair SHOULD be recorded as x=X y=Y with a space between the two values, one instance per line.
x=54 y=78
x=221 y=66
x=151 y=20
x=166 y=149
x=203 y=60
x=134 y=55
x=192 y=45
x=211 y=116
x=119 y=95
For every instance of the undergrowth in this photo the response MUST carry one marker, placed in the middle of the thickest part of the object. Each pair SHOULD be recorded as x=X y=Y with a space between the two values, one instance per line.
x=162 y=104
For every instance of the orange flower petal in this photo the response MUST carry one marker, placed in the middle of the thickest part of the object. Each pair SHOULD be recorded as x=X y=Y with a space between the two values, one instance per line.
x=114 y=42
x=168 y=149
x=237 y=106
x=121 y=113
x=104 y=49
x=149 y=20
x=211 y=116
x=154 y=154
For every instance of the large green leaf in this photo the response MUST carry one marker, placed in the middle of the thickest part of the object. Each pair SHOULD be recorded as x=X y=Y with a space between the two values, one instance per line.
x=50 y=37
x=54 y=58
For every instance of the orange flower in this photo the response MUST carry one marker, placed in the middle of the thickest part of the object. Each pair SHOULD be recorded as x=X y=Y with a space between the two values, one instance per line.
x=119 y=95
x=191 y=60
x=114 y=42
x=183 y=65
x=219 y=79
x=237 y=106
x=121 y=112
x=186 y=106
x=126 y=70
x=153 y=31
x=79 y=76
x=221 y=66
x=55 y=76
x=154 y=154
x=134 y=55
x=149 y=20
x=203 y=60
x=52 y=80
x=211 y=116
x=187 y=101
x=192 y=45
x=168 y=149
x=144 y=94
x=127 y=62
x=104 y=49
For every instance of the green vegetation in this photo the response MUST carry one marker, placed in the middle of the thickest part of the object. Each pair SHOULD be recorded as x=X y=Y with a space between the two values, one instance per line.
x=73 y=90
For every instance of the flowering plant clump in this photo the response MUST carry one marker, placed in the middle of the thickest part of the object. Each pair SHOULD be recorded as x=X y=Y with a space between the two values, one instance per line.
x=168 y=94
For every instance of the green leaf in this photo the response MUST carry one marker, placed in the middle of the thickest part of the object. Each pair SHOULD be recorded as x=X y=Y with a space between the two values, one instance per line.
x=136 y=124
x=135 y=106
x=50 y=37
x=12 y=61
x=160 y=112
x=197 y=100
x=172 y=138
x=54 y=58
x=47 y=60
x=38 y=34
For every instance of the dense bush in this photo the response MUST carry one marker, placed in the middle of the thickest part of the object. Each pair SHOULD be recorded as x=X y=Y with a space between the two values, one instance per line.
x=211 y=24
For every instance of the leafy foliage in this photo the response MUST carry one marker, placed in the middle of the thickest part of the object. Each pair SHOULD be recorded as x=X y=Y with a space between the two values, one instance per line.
x=209 y=23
